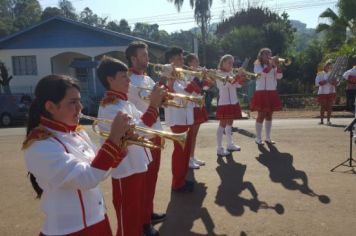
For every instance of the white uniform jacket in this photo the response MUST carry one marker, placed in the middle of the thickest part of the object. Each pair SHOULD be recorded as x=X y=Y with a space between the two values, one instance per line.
x=268 y=79
x=138 y=158
x=180 y=116
x=71 y=198
x=142 y=81
x=326 y=88
x=227 y=91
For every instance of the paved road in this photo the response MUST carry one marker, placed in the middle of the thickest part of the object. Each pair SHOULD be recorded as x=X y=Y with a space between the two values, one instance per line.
x=286 y=189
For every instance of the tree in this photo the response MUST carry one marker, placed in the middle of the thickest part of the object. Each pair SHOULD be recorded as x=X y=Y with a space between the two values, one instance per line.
x=243 y=42
x=26 y=13
x=5 y=78
x=335 y=30
x=202 y=16
x=67 y=9
x=146 y=31
x=50 y=12
x=87 y=16
x=121 y=27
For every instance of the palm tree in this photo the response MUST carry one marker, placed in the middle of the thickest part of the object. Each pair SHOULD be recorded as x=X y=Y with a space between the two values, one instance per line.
x=339 y=24
x=335 y=29
x=202 y=16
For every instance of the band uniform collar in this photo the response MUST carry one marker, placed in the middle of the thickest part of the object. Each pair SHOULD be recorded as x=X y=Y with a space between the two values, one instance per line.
x=116 y=94
x=56 y=125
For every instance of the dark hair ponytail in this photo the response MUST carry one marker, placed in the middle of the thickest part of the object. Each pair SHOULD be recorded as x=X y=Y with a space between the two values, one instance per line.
x=50 y=88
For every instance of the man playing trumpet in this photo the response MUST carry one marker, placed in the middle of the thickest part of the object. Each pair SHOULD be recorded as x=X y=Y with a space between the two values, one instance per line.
x=179 y=120
x=137 y=58
x=128 y=180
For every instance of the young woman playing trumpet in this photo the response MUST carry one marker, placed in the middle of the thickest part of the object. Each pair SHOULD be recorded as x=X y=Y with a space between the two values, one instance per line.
x=65 y=165
x=266 y=99
x=228 y=106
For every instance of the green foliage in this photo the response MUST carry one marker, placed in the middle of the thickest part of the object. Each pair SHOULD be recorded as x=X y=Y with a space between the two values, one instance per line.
x=243 y=42
x=253 y=16
x=146 y=31
x=87 y=16
x=50 y=12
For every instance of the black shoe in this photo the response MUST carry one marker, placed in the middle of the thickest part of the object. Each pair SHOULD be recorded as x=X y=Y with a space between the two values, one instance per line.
x=158 y=217
x=149 y=230
x=188 y=187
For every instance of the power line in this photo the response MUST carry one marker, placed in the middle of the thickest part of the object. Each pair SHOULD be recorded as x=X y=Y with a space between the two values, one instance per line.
x=187 y=19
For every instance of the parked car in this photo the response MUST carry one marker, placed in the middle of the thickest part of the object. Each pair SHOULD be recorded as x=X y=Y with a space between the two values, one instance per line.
x=14 y=108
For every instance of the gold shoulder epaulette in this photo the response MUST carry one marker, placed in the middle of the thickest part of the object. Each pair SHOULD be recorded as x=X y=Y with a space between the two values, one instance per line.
x=108 y=100
x=79 y=128
x=38 y=133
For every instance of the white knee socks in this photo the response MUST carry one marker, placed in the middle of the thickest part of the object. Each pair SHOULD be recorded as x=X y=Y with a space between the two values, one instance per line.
x=258 y=130
x=268 y=127
x=228 y=132
x=219 y=135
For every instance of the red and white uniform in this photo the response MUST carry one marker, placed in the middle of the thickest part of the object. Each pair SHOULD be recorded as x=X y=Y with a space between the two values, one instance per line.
x=350 y=76
x=228 y=105
x=200 y=115
x=128 y=179
x=66 y=166
x=326 y=91
x=266 y=98
x=180 y=120
x=144 y=81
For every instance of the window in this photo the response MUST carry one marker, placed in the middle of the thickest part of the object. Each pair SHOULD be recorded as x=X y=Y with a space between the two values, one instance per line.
x=24 y=65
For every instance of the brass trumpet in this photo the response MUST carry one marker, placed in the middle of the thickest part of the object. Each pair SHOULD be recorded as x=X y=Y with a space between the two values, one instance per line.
x=141 y=141
x=204 y=73
x=165 y=69
x=284 y=61
x=171 y=103
x=197 y=99
x=249 y=75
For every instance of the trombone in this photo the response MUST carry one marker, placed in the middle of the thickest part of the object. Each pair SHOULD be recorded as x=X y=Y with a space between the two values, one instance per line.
x=140 y=141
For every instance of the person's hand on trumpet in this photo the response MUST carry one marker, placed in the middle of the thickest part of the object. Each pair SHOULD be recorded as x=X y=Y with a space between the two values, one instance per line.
x=121 y=128
x=157 y=96
x=274 y=61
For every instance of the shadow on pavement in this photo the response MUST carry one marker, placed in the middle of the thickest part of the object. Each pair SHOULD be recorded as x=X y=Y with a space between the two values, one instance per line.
x=185 y=208
x=232 y=185
x=243 y=132
x=281 y=169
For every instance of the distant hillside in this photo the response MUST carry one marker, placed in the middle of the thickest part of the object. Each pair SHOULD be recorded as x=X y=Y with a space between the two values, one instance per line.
x=304 y=36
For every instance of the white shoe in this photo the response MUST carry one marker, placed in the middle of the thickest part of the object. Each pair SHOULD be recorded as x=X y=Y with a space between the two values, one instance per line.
x=193 y=165
x=197 y=161
x=221 y=152
x=259 y=141
x=233 y=148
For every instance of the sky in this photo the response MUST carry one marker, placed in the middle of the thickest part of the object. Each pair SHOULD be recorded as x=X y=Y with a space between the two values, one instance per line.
x=165 y=14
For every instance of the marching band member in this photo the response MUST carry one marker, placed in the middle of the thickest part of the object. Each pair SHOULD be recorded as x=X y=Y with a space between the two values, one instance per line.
x=350 y=76
x=64 y=167
x=200 y=113
x=180 y=120
x=228 y=106
x=326 y=91
x=266 y=100
x=128 y=179
x=137 y=57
